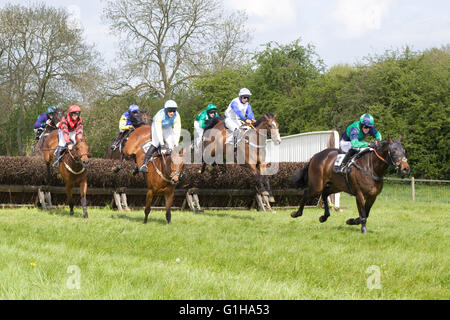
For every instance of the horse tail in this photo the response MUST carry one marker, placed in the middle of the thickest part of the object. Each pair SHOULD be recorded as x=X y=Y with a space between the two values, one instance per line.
x=300 y=178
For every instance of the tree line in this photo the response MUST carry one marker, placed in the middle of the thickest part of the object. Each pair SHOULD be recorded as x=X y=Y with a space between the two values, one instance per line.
x=191 y=52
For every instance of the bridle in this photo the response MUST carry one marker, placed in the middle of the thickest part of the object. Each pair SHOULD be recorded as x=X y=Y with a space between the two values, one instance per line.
x=173 y=174
x=77 y=160
x=391 y=158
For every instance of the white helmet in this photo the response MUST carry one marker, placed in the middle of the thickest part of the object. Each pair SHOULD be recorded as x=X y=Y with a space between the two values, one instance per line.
x=170 y=104
x=244 y=92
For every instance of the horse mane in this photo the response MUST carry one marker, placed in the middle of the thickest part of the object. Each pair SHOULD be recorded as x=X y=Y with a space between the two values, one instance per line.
x=263 y=118
x=211 y=123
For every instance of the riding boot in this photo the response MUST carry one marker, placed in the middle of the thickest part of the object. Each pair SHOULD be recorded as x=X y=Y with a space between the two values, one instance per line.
x=148 y=155
x=347 y=157
x=57 y=155
x=116 y=141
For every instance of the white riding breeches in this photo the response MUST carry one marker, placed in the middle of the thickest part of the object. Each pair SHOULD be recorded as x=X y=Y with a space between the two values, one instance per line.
x=345 y=145
x=62 y=142
x=231 y=124
x=198 y=134
x=167 y=136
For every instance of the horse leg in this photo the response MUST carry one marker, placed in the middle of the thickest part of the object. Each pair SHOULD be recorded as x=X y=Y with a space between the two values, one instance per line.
x=148 y=203
x=49 y=174
x=119 y=166
x=69 y=198
x=266 y=180
x=203 y=167
x=83 y=192
x=303 y=201
x=360 y=202
x=168 y=195
x=325 y=194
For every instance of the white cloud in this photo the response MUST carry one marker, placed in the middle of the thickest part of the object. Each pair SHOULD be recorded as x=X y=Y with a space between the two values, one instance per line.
x=359 y=16
x=266 y=14
x=74 y=20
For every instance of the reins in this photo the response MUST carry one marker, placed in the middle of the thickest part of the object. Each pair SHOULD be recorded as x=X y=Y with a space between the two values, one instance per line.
x=161 y=174
x=76 y=161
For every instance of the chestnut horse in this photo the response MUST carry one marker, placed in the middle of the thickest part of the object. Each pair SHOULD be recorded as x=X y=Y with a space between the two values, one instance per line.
x=252 y=145
x=135 y=140
x=164 y=173
x=364 y=181
x=72 y=167
x=120 y=153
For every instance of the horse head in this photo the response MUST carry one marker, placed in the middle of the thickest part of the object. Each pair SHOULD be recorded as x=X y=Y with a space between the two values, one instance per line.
x=176 y=165
x=81 y=151
x=58 y=115
x=397 y=155
x=268 y=122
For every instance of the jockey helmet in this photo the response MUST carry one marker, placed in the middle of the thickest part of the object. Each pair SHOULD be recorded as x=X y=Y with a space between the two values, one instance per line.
x=211 y=107
x=244 y=92
x=133 y=108
x=366 y=120
x=170 y=104
x=74 y=108
x=51 y=109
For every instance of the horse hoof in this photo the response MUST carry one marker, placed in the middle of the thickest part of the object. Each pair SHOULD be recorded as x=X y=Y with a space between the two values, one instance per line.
x=350 y=222
x=322 y=219
x=115 y=170
x=295 y=214
x=363 y=230
x=271 y=199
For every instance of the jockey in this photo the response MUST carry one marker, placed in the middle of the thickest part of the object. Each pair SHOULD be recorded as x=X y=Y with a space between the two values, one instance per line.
x=353 y=137
x=70 y=127
x=238 y=110
x=125 y=124
x=201 y=122
x=166 y=131
x=43 y=120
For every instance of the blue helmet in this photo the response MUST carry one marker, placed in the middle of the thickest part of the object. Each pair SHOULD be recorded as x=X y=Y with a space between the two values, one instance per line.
x=366 y=120
x=133 y=108
x=51 y=109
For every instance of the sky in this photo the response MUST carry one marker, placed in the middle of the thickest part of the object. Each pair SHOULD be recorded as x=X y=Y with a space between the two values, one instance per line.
x=342 y=31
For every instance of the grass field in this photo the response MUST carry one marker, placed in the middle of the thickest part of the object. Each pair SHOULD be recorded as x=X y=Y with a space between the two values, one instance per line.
x=227 y=254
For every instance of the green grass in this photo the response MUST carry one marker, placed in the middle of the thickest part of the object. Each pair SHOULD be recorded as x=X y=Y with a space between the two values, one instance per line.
x=226 y=254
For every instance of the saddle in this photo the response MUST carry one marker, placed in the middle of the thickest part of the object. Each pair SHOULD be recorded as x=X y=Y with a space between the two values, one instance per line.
x=159 y=152
x=120 y=140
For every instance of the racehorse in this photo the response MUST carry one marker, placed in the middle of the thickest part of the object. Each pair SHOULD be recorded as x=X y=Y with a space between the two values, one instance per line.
x=131 y=142
x=163 y=175
x=72 y=167
x=57 y=116
x=73 y=171
x=252 y=145
x=364 y=181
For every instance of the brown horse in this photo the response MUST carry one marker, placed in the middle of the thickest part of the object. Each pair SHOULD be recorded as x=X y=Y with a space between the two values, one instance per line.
x=141 y=119
x=364 y=181
x=57 y=116
x=73 y=169
x=163 y=175
x=251 y=147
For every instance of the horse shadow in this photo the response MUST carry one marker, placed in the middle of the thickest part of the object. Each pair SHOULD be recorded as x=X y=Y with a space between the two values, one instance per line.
x=225 y=215
x=138 y=219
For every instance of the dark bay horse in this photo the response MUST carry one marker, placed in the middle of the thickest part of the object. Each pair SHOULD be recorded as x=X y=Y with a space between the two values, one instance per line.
x=364 y=181
x=57 y=116
x=251 y=147
x=164 y=172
